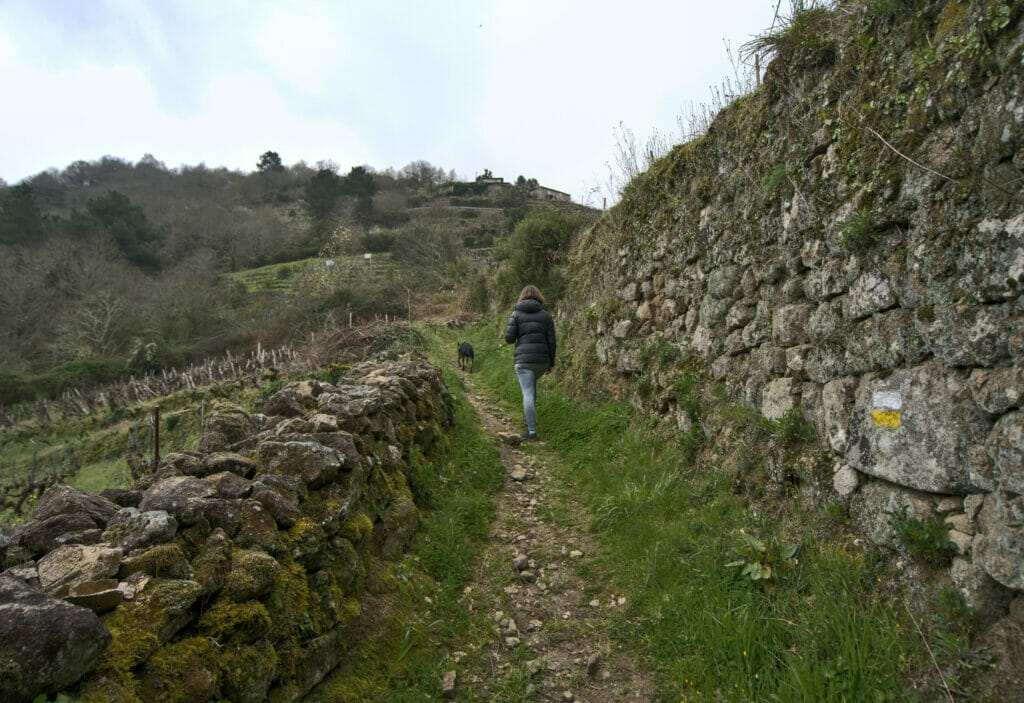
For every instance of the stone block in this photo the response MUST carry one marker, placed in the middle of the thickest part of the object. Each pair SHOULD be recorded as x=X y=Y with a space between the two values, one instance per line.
x=836 y=406
x=713 y=310
x=966 y=335
x=132 y=528
x=997 y=390
x=872 y=505
x=179 y=496
x=60 y=499
x=314 y=463
x=998 y=548
x=73 y=564
x=961 y=523
x=826 y=323
x=723 y=282
x=845 y=481
x=705 y=342
x=1006 y=449
x=984 y=595
x=739 y=315
x=622 y=329
x=827 y=282
x=869 y=294
x=789 y=324
x=779 y=397
x=757 y=332
x=916 y=428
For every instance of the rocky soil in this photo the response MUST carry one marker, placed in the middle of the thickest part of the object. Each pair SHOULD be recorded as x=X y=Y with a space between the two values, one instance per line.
x=539 y=584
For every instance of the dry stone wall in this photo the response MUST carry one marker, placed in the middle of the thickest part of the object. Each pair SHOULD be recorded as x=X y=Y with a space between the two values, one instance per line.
x=872 y=285
x=233 y=573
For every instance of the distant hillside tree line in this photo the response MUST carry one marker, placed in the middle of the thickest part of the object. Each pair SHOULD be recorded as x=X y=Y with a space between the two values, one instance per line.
x=105 y=258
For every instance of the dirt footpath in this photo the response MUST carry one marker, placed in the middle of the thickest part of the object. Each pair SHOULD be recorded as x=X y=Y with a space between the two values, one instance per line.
x=536 y=583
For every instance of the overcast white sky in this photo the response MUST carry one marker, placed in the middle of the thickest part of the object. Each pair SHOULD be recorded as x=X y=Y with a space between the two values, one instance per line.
x=526 y=87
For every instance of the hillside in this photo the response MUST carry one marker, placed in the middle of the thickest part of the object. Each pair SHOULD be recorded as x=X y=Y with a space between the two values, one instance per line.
x=111 y=267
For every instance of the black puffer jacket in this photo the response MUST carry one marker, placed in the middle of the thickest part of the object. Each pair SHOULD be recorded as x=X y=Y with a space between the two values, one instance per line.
x=533 y=331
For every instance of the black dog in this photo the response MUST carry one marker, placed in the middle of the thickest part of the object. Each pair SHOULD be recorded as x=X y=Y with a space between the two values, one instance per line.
x=465 y=355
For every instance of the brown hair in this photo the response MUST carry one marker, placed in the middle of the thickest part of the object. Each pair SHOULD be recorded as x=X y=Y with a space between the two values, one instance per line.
x=531 y=292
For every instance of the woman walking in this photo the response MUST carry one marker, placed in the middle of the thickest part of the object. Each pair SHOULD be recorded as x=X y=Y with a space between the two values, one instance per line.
x=532 y=330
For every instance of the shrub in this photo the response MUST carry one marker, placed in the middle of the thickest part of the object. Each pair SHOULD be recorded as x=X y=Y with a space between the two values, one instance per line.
x=534 y=252
x=774 y=179
x=925 y=538
x=859 y=231
x=806 y=31
x=379 y=241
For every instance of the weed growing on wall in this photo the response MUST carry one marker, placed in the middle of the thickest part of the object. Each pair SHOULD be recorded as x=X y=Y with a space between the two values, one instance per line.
x=926 y=538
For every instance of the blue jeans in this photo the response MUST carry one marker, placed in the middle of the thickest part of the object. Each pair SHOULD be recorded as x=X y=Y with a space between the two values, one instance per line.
x=528 y=375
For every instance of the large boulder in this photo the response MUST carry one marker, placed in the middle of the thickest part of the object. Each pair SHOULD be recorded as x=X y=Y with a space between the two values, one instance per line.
x=230 y=485
x=123 y=497
x=180 y=496
x=227 y=425
x=213 y=563
x=314 y=463
x=75 y=564
x=181 y=464
x=252 y=575
x=289 y=402
x=918 y=428
x=228 y=461
x=60 y=499
x=351 y=401
x=131 y=528
x=45 y=645
x=45 y=536
x=282 y=504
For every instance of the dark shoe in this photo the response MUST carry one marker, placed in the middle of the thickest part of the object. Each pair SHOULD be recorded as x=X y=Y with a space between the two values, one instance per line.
x=530 y=437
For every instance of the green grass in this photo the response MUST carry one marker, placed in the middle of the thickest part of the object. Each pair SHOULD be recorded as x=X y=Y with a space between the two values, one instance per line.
x=824 y=626
x=283 y=276
x=101 y=475
x=273 y=276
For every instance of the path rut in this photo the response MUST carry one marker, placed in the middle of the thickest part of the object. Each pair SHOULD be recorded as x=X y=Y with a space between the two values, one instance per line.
x=540 y=588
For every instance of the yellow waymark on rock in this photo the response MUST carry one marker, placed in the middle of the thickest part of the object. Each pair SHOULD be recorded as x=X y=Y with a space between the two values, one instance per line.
x=886 y=418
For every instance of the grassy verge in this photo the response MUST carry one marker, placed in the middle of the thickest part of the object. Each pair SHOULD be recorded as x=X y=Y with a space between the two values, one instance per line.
x=732 y=597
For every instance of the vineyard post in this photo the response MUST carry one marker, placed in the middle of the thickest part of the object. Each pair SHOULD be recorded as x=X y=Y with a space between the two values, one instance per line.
x=32 y=471
x=156 y=437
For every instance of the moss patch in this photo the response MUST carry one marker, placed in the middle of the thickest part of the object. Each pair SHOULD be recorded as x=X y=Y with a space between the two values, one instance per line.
x=235 y=622
x=182 y=672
